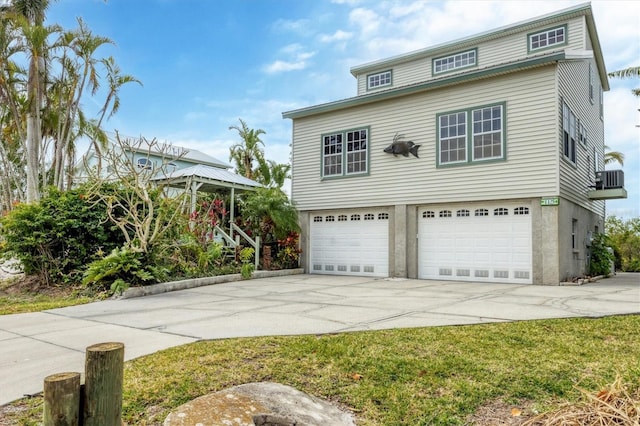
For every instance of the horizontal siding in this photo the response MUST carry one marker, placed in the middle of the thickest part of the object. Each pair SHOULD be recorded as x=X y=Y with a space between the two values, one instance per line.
x=531 y=103
x=575 y=180
x=490 y=53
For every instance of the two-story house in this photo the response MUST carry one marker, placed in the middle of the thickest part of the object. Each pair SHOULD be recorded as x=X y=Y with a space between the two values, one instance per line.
x=503 y=186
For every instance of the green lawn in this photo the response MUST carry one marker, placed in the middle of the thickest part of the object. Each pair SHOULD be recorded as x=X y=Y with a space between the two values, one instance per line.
x=425 y=376
x=34 y=303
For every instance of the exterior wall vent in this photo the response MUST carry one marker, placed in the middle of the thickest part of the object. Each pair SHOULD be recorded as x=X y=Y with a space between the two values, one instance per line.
x=609 y=179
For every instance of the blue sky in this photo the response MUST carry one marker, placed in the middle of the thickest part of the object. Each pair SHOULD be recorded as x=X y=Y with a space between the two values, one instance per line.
x=206 y=63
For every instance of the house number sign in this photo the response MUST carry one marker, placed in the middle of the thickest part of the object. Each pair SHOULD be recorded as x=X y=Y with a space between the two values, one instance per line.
x=550 y=201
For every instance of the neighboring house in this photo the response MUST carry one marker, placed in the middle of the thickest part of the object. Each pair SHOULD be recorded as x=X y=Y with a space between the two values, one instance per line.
x=178 y=167
x=505 y=189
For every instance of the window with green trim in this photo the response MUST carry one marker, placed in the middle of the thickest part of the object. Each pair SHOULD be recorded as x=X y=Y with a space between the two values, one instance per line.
x=452 y=62
x=476 y=134
x=547 y=38
x=378 y=80
x=345 y=153
x=568 y=133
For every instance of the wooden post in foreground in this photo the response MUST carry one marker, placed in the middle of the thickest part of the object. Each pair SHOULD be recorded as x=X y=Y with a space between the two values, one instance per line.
x=104 y=370
x=62 y=399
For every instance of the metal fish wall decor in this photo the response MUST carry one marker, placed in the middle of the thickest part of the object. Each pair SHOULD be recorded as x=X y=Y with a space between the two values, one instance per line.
x=402 y=147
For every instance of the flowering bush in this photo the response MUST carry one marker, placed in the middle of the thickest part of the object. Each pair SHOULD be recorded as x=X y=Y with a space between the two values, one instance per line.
x=204 y=219
x=288 y=256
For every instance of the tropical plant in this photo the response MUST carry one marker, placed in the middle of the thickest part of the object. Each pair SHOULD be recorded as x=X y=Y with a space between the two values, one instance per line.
x=269 y=213
x=624 y=237
x=630 y=72
x=46 y=72
x=120 y=269
x=288 y=255
x=611 y=157
x=246 y=259
x=601 y=258
x=244 y=153
x=273 y=174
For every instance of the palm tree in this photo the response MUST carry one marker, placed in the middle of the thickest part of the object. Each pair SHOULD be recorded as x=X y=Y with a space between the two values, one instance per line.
x=30 y=14
x=115 y=80
x=631 y=72
x=246 y=152
x=613 y=157
x=273 y=174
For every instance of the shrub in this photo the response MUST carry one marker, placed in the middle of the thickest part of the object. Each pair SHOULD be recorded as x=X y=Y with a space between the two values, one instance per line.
x=268 y=212
x=624 y=237
x=601 y=258
x=120 y=269
x=288 y=256
x=246 y=257
x=58 y=236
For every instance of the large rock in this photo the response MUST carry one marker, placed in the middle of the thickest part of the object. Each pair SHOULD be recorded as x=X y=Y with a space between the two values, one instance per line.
x=258 y=404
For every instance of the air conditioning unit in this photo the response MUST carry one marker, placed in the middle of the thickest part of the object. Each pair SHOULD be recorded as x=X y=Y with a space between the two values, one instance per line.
x=609 y=179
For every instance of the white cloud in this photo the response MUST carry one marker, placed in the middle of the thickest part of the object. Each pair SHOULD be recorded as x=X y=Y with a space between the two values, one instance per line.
x=366 y=19
x=339 y=35
x=298 y=60
x=300 y=26
x=284 y=66
x=347 y=2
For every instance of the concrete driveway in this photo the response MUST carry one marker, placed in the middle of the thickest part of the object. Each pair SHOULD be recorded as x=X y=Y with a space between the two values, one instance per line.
x=36 y=345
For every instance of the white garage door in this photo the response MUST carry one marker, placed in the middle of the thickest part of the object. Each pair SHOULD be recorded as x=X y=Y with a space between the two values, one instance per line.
x=350 y=243
x=486 y=243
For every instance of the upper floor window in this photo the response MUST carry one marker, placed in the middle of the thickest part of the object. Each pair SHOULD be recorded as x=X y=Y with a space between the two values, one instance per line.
x=452 y=129
x=568 y=133
x=487 y=133
x=590 y=83
x=378 y=80
x=145 y=163
x=456 y=61
x=479 y=130
x=601 y=103
x=345 y=153
x=548 y=38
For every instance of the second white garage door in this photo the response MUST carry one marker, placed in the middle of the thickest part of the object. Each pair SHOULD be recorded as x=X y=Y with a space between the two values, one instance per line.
x=349 y=243
x=488 y=243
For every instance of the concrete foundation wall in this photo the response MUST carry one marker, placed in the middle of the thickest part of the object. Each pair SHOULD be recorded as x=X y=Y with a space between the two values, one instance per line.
x=574 y=248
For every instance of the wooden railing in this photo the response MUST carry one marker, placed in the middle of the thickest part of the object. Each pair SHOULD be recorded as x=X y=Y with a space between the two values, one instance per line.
x=236 y=242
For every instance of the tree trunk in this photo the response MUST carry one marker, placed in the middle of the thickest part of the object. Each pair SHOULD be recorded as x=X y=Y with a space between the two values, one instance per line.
x=34 y=131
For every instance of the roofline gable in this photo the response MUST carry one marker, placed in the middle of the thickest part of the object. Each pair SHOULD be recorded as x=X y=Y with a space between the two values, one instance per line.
x=583 y=9
x=515 y=66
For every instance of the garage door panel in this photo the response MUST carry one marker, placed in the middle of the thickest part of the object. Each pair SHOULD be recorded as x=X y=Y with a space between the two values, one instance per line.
x=356 y=244
x=489 y=247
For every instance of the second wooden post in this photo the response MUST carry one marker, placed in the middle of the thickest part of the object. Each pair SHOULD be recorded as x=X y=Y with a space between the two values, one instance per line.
x=104 y=370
